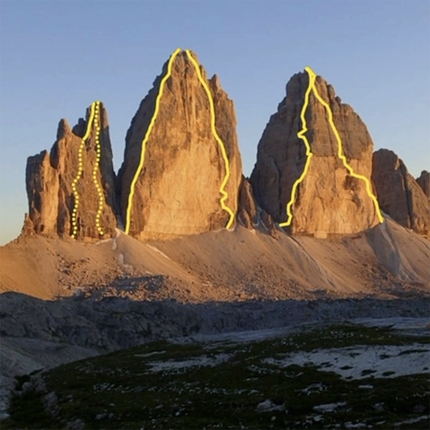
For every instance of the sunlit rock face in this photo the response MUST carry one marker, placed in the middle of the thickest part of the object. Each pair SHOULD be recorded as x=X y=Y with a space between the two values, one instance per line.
x=328 y=200
x=50 y=178
x=177 y=191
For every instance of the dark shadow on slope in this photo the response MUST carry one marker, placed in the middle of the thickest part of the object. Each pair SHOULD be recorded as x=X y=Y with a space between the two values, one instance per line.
x=114 y=323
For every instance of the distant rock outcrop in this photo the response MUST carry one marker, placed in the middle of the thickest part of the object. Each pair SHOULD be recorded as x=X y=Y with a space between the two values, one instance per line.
x=328 y=200
x=424 y=182
x=71 y=191
x=248 y=210
x=177 y=191
x=399 y=194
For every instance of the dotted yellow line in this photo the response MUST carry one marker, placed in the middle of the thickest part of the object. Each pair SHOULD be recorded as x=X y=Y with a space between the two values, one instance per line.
x=79 y=174
x=220 y=142
x=312 y=77
x=96 y=167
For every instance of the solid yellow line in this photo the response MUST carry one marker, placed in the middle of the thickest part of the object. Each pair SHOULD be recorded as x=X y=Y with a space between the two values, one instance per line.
x=99 y=188
x=301 y=135
x=312 y=77
x=145 y=140
x=79 y=174
x=343 y=158
x=218 y=139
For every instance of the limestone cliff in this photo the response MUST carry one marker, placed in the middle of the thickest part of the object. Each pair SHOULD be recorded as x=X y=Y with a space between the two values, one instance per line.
x=71 y=190
x=399 y=194
x=328 y=200
x=177 y=189
x=424 y=182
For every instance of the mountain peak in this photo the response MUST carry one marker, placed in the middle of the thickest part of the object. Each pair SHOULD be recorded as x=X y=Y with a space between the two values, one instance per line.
x=181 y=176
x=300 y=177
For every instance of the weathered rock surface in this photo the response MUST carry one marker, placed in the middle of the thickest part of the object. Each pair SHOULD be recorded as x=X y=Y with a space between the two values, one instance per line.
x=399 y=194
x=49 y=179
x=250 y=215
x=329 y=200
x=248 y=210
x=424 y=182
x=178 y=189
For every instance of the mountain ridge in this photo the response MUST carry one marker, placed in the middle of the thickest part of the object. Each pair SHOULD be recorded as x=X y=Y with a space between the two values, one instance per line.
x=75 y=285
x=172 y=180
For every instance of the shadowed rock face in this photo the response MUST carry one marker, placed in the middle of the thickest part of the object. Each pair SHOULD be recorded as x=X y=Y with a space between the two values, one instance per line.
x=248 y=210
x=178 y=189
x=424 y=182
x=49 y=179
x=328 y=200
x=399 y=194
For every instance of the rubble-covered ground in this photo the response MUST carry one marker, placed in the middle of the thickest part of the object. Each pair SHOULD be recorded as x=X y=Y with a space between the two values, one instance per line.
x=360 y=374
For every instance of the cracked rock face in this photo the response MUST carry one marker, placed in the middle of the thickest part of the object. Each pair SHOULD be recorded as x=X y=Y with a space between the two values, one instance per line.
x=329 y=200
x=50 y=176
x=399 y=194
x=178 y=189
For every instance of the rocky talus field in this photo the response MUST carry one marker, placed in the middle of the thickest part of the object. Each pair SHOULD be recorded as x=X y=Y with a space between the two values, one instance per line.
x=174 y=293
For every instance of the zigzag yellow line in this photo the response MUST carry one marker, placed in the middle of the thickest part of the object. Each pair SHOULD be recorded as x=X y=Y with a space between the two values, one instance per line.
x=220 y=142
x=79 y=174
x=151 y=125
x=343 y=158
x=312 y=77
x=301 y=135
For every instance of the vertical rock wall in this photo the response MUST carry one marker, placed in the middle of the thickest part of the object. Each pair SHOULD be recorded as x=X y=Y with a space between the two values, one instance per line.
x=329 y=200
x=177 y=190
x=71 y=191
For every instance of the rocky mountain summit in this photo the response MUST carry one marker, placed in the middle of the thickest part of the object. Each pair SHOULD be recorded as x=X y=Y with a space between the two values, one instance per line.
x=182 y=169
x=183 y=174
x=328 y=199
x=71 y=190
x=182 y=180
x=399 y=194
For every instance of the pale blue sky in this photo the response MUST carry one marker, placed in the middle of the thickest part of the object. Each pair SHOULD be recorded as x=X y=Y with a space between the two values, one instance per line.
x=56 y=57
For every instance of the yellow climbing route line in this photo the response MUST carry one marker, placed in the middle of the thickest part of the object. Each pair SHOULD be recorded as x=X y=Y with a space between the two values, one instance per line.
x=151 y=125
x=343 y=158
x=301 y=135
x=145 y=140
x=312 y=77
x=218 y=139
x=96 y=168
x=79 y=174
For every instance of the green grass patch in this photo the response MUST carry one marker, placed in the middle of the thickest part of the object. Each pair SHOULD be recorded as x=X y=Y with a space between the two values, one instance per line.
x=119 y=390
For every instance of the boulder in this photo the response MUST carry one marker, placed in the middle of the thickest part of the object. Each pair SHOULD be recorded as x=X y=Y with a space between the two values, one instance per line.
x=269 y=224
